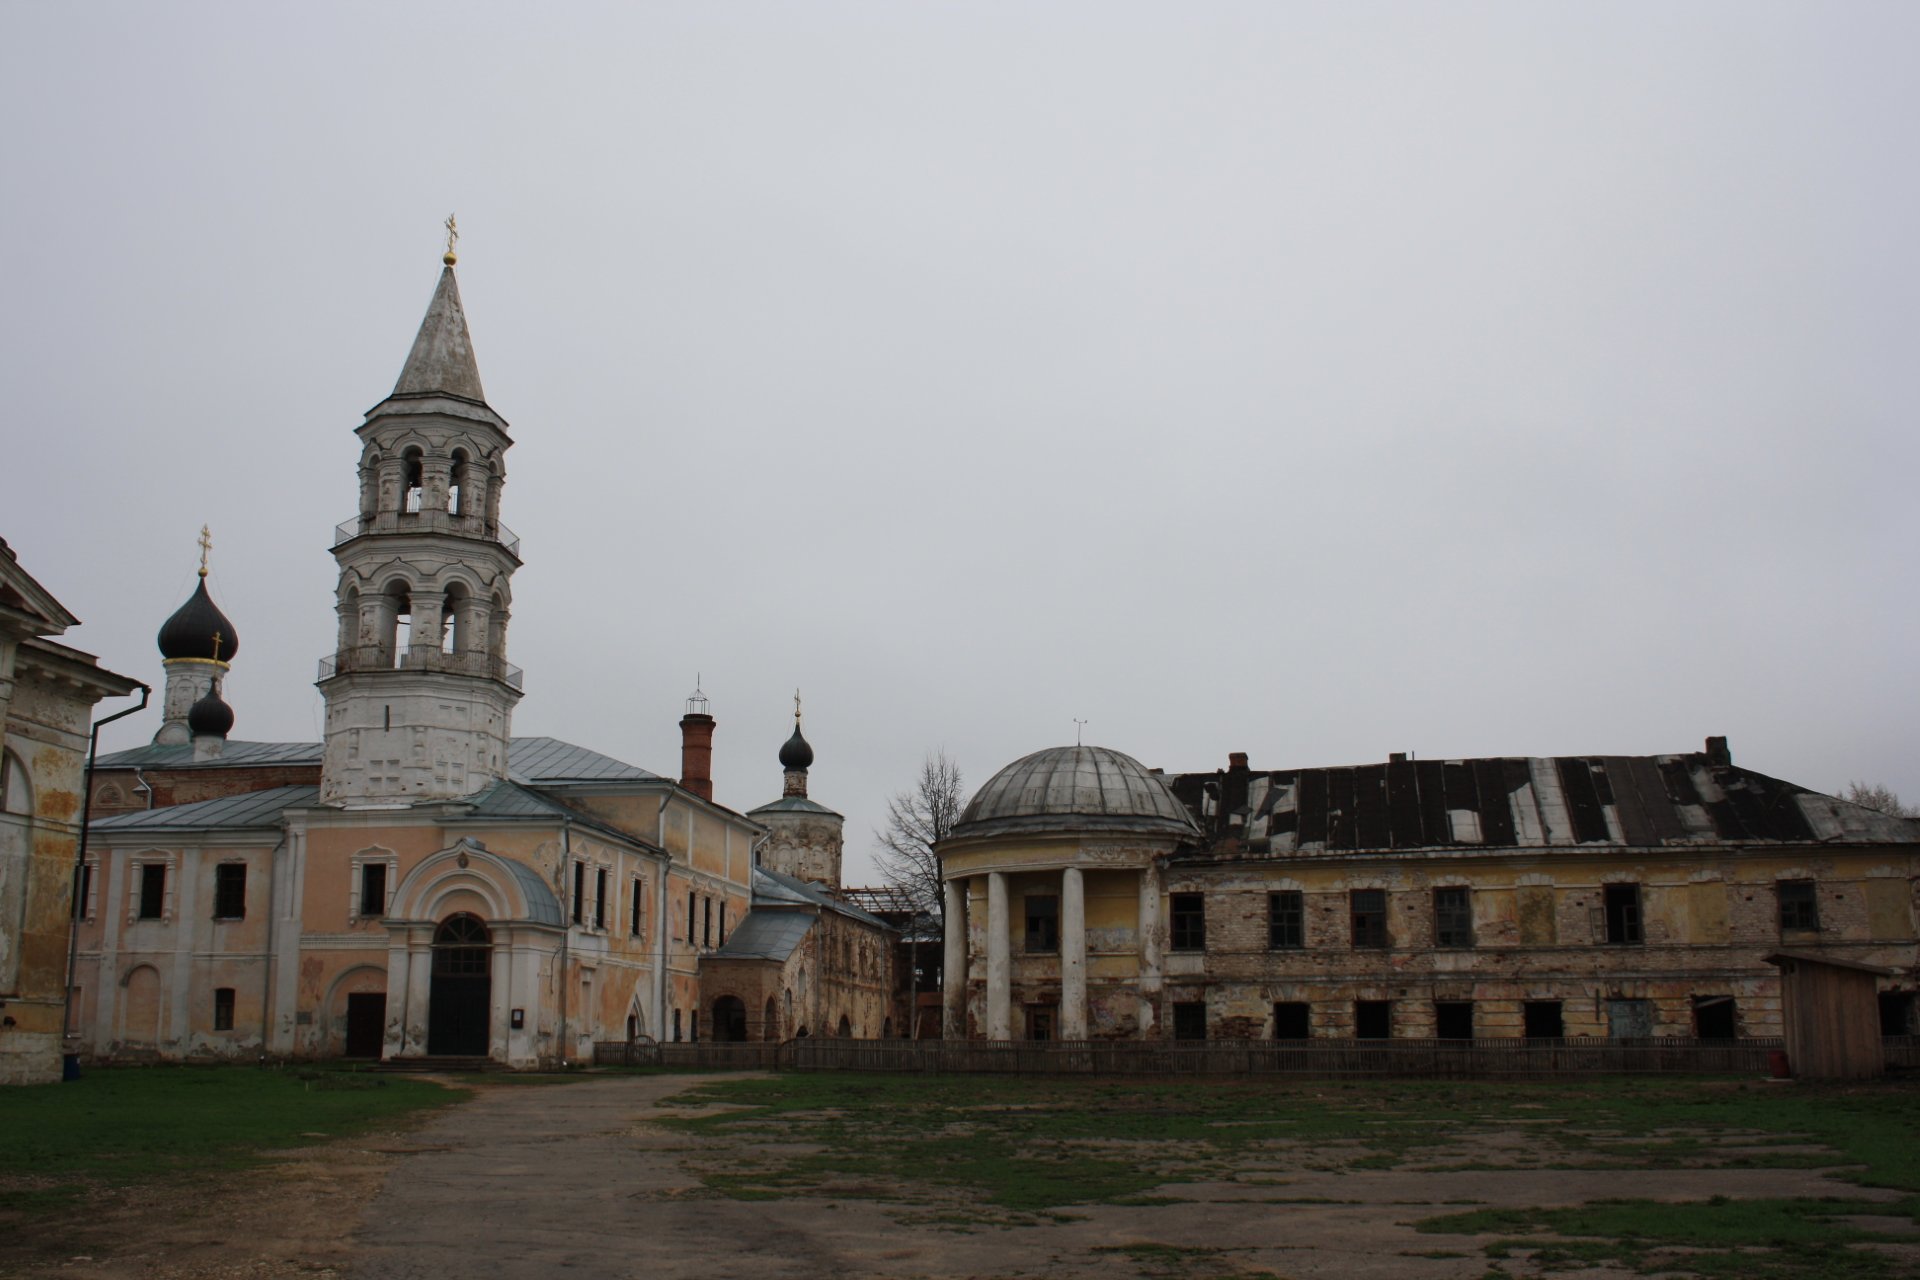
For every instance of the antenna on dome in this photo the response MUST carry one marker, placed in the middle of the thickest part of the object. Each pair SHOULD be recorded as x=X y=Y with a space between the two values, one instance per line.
x=1079 y=726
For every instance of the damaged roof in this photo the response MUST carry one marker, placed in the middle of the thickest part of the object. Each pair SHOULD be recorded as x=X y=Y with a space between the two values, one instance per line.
x=1560 y=801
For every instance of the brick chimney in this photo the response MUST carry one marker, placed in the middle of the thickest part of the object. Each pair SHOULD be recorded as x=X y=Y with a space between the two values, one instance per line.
x=1236 y=760
x=1717 y=751
x=696 y=747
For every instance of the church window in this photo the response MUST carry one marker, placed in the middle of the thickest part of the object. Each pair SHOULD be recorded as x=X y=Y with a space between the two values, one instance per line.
x=693 y=1025
x=16 y=794
x=600 y=898
x=1043 y=923
x=706 y=922
x=579 y=892
x=223 y=1008
x=634 y=915
x=457 y=488
x=1286 y=920
x=83 y=893
x=373 y=889
x=1189 y=919
x=1799 y=905
x=676 y=1026
x=153 y=890
x=1453 y=916
x=1368 y=907
x=230 y=891
x=693 y=914
x=723 y=922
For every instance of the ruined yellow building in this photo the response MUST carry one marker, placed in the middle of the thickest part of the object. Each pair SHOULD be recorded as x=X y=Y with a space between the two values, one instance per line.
x=1451 y=899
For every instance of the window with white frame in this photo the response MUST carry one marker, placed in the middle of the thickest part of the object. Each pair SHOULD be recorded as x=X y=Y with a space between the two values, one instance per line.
x=370 y=891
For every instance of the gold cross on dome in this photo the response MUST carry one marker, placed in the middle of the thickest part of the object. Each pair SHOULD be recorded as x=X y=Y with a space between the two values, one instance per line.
x=796 y=707
x=206 y=545
x=218 y=639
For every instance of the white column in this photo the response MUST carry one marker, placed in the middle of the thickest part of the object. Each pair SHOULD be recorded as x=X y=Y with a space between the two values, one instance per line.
x=999 y=960
x=1073 y=956
x=419 y=991
x=955 y=975
x=1149 y=947
x=394 y=1040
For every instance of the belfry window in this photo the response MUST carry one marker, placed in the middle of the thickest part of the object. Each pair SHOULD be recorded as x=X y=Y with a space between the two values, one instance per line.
x=412 y=480
x=457 y=486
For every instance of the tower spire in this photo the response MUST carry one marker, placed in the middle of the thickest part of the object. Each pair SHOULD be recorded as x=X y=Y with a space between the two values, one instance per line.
x=442 y=361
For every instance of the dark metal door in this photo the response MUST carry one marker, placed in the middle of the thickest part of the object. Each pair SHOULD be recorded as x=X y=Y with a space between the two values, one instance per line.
x=366 y=1024
x=460 y=1004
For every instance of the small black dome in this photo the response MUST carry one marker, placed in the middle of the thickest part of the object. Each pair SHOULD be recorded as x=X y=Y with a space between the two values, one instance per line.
x=796 y=753
x=190 y=632
x=210 y=715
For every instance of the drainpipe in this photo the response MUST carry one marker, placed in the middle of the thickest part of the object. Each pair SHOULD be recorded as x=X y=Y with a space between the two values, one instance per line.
x=70 y=1062
x=566 y=938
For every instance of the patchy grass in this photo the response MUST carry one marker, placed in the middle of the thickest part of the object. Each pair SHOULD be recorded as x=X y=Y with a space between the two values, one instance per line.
x=114 y=1127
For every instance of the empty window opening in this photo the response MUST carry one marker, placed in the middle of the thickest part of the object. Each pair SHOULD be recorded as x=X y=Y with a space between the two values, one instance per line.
x=223 y=1008
x=1292 y=1020
x=1896 y=1013
x=1372 y=1019
x=1453 y=1019
x=1286 y=920
x=1043 y=926
x=413 y=473
x=1713 y=1018
x=600 y=898
x=230 y=891
x=153 y=890
x=706 y=923
x=723 y=922
x=693 y=912
x=633 y=909
x=1189 y=912
x=1453 y=916
x=1040 y=1022
x=1190 y=1018
x=579 y=892
x=457 y=484
x=1541 y=1020
x=1623 y=914
x=1369 y=910
x=676 y=1026
x=373 y=889
x=1799 y=905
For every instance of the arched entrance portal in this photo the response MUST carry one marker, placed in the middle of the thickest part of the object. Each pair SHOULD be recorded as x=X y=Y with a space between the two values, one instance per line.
x=461 y=1002
x=729 y=1018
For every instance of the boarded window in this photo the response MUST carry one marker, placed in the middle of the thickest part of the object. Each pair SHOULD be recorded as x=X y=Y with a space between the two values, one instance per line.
x=230 y=891
x=1453 y=1019
x=153 y=890
x=600 y=898
x=1190 y=1019
x=1043 y=927
x=1453 y=916
x=1369 y=910
x=1372 y=1019
x=1541 y=1020
x=1292 y=1020
x=1629 y=1019
x=373 y=889
x=223 y=1007
x=1623 y=914
x=1799 y=905
x=1286 y=920
x=1537 y=927
x=1189 y=911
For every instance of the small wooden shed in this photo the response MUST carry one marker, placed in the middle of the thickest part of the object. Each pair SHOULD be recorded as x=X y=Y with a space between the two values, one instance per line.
x=1830 y=1011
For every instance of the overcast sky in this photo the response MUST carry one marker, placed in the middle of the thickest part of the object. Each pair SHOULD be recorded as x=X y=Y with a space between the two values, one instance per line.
x=1315 y=381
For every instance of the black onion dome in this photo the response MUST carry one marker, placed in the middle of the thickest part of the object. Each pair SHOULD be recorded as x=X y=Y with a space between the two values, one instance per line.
x=796 y=752
x=190 y=632
x=210 y=715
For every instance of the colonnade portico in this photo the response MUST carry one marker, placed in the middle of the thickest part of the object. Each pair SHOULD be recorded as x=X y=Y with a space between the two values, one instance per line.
x=1072 y=952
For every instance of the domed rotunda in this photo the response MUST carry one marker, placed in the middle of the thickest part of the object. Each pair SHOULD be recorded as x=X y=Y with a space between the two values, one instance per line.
x=1054 y=870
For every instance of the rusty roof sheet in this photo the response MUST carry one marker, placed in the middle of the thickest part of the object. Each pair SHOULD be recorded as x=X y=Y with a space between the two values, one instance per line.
x=1553 y=802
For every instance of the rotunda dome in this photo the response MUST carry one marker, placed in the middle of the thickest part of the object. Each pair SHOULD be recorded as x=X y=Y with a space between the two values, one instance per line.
x=210 y=715
x=191 y=631
x=1075 y=789
x=796 y=752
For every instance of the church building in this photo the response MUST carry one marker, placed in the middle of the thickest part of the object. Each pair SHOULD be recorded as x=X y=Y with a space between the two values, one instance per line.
x=421 y=882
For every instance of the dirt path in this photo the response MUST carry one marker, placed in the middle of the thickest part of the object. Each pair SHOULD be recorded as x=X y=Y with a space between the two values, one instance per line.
x=526 y=1180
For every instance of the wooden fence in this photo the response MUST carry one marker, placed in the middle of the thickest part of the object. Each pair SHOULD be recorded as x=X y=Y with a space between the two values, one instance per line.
x=1676 y=1055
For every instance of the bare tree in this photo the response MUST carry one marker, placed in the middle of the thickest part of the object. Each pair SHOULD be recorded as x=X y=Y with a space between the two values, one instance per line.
x=1878 y=797
x=916 y=818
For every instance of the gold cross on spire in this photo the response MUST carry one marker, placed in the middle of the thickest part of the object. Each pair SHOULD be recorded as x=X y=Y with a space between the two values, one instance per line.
x=796 y=708
x=453 y=236
x=206 y=545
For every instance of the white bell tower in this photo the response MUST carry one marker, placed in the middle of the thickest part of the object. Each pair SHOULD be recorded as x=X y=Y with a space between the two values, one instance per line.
x=419 y=692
